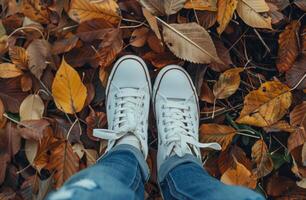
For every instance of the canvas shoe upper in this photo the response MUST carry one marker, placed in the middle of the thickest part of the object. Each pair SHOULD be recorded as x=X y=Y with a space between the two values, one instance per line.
x=176 y=110
x=127 y=103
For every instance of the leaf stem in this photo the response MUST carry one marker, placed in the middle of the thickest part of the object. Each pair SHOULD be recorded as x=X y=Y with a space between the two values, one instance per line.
x=244 y=134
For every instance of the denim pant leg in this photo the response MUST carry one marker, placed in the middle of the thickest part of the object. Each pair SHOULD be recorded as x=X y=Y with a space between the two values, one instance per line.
x=119 y=174
x=185 y=178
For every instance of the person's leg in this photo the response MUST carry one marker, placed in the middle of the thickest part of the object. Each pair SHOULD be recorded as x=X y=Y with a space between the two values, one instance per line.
x=122 y=171
x=185 y=178
x=180 y=173
x=119 y=174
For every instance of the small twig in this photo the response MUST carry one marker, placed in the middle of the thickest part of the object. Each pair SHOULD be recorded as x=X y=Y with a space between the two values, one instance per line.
x=70 y=27
x=214 y=107
x=135 y=26
x=279 y=142
x=22 y=28
x=71 y=127
x=244 y=134
x=298 y=83
x=262 y=41
x=20 y=171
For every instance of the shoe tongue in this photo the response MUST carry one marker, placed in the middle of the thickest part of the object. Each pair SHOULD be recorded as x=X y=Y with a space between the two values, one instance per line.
x=176 y=99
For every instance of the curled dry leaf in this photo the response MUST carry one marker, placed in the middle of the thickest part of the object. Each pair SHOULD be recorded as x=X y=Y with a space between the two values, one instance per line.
x=84 y=10
x=68 y=90
x=32 y=108
x=267 y=105
x=190 y=42
x=288 y=46
x=239 y=175
x=251 y=13
x=210 y=5
x=39 y=55
x=9 y=70
x=226 y=9
x=228 y=83
x=260 y=155
x=217 y=133
x=19 y=57
x=139 y=37
x=64 y=162
x=95 y=120
x=163 y=7
x=64 y=45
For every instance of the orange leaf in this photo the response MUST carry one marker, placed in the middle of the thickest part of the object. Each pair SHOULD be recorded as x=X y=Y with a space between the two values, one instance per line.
x=19 y=57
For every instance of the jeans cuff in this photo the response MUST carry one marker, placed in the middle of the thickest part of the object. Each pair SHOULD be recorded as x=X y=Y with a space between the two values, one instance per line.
x=138 y=155
x=174 y=161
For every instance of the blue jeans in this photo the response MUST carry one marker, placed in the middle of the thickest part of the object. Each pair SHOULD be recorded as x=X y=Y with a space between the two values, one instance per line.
x=122 y=173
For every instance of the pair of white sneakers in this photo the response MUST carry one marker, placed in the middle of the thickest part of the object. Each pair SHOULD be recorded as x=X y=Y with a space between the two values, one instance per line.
x=175 y=104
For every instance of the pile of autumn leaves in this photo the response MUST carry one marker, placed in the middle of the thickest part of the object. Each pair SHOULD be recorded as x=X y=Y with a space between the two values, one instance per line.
x=51 y=51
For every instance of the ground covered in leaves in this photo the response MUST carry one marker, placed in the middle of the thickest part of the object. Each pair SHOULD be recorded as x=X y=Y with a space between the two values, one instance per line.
x=247 y=59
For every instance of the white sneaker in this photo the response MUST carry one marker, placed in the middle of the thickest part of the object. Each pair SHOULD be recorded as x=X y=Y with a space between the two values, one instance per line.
x=176 y=109
x=128 y=95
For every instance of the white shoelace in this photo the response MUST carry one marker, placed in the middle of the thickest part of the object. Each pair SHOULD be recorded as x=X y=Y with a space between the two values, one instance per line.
x=127 y=117
x=180 y=136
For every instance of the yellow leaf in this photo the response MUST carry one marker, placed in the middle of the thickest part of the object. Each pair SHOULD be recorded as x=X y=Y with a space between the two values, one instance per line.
x=217 y=133
x=68 y=90
x=239 y=175
x=228 y=83
x=209 y=5
x=9 y=70
x=31 y=108
x=226 y=9
x=250 y=12
x=262 y=159
x=267 y=105
x=190 y=41
x=84 y=10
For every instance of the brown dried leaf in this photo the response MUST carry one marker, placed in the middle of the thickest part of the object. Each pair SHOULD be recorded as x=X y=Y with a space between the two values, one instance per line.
x=152 y=22
x=224 y=55
x=251 y=13
x=39 y=55
x=64 y=162
x=94 y=29
x=301 y=4
x=109 y=48
x=295 y=74
x=226 y=9
x=95 y=120
x=267 y=105
x=239 y=175
x=163 y=7
x=217 y=133
x=64 y=45
x=206 y=93
x=190 y=42
x=228 y=83
x=84 y=10
x=19 y=57
x=9 y=70
x=34 y=10
x=2 y=118
x=33 y=129
x=160 y=60
x=26 y=83
x=32 y=108
x=261 y=157
x=288 y=46
x=207 y=18
x=155 y=44
x=139 y=37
